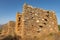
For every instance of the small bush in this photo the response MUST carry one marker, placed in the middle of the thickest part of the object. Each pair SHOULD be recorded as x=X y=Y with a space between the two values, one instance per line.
x=59 y=27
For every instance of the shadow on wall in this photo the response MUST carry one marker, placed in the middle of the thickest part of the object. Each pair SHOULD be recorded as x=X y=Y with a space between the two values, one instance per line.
x=11 y=38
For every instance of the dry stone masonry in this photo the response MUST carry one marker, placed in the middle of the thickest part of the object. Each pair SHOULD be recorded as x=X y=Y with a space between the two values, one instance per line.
x=11 y=28
x=34 y=23
x=8 y=29
x=19 y=28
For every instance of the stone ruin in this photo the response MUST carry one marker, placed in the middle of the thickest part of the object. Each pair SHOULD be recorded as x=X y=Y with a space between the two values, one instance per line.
x=35 y=23
x=8 y=30
x=31 y=24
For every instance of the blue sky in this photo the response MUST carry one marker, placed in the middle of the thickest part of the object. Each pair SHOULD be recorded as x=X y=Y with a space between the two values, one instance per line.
x=9 y=8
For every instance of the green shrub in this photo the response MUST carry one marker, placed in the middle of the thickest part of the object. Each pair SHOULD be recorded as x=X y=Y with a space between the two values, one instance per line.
x=59 y=27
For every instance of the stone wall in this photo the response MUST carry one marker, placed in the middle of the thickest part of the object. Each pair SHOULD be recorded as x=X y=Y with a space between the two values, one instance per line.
x=11 y=28
x=32 y=24
x=8 y=29
x=35 y=23
x=19 y=28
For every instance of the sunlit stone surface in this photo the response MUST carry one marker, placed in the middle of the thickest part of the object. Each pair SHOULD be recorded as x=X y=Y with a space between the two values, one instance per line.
x=32 y=24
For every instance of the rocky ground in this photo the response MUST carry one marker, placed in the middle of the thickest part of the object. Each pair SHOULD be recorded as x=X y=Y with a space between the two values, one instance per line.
x=54 y=36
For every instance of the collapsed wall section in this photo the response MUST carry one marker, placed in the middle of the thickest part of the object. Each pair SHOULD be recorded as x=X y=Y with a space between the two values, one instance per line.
x=11 y=28
x=18 y=28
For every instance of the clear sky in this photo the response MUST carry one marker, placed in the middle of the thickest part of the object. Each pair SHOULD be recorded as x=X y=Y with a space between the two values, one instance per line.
x=9 y=8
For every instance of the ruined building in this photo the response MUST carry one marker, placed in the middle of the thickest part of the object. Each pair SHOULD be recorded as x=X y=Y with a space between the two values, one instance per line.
x=11 y=27
x=33 y=23
x=8 y=29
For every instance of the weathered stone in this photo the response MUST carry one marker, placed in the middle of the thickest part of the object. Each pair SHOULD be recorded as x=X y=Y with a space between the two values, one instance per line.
x=32 y=24
x=37 y=23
